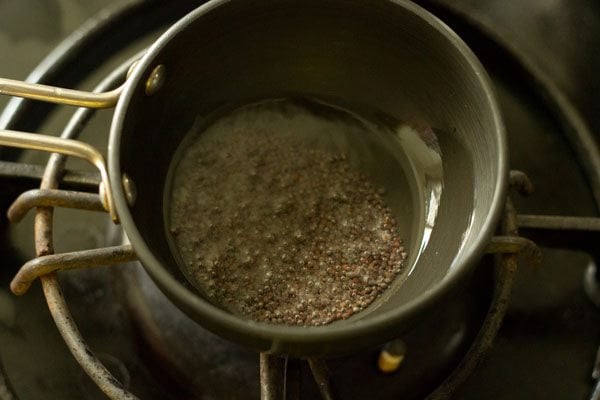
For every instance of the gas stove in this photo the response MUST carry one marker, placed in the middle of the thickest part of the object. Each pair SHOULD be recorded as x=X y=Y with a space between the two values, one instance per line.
x=543 y=59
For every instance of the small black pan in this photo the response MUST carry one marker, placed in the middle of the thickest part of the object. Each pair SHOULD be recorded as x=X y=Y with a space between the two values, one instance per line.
x=388 y=55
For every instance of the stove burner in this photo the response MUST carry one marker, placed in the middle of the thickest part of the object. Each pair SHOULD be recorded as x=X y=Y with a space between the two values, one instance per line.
x=162 y=336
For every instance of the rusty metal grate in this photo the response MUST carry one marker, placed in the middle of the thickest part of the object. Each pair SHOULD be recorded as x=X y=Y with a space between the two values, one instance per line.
x=573 y=232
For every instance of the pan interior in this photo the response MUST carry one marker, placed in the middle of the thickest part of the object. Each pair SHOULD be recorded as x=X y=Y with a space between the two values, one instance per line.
x=403 y=163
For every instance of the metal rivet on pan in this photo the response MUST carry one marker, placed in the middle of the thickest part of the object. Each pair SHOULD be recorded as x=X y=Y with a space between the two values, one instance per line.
x=155 y=80
x=129 y=189
x=391 y=356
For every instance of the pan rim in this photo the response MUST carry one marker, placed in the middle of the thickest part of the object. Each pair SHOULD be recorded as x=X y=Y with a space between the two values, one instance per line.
x=279 y=338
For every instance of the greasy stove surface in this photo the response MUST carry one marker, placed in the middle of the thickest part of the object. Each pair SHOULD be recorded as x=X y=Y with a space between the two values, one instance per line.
x=547 y=344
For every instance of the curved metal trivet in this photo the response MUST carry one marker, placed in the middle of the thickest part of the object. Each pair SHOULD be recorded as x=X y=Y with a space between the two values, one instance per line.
x=44 y=246
x=575 y=233
x=112 y=28
x=505 y=272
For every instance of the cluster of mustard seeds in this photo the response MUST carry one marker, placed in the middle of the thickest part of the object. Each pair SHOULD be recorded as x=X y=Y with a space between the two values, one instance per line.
x=279 y=232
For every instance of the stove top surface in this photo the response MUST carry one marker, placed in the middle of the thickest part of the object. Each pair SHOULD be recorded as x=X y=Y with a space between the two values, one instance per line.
x=548 y=341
